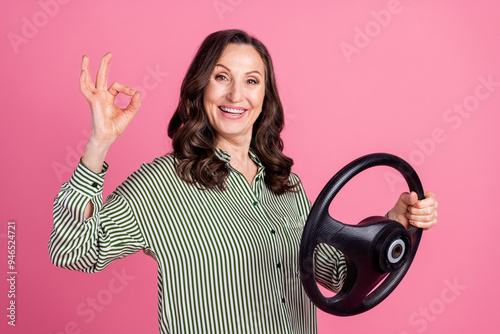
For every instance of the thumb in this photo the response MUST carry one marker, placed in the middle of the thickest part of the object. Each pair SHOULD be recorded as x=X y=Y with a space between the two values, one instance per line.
x=135 y=103
x=409 y=198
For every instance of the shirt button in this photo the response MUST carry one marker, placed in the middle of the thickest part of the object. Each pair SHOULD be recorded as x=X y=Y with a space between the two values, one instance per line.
x=94 y=184
x=278 y=265
x=273 y=231
x=255 y=203
x=283 y=300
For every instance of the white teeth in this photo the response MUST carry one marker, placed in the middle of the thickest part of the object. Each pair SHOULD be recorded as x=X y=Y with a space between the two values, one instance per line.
x=233 y=111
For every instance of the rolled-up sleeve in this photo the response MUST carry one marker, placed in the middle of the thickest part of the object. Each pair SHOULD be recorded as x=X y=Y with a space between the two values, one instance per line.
x=330 y=268
x=90 y=245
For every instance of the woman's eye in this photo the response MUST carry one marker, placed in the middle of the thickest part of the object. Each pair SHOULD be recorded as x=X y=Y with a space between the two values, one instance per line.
x=253 y=81
x=220 y=77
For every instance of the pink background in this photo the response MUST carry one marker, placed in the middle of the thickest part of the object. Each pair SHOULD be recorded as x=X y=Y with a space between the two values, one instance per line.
x=353 y=81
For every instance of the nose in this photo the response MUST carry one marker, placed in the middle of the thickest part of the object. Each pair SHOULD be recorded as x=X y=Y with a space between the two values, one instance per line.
x=235 y=92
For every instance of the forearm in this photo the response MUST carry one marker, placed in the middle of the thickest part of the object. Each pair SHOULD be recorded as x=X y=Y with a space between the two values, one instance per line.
x=73 y=235
x=91 y=244
x=93 y=157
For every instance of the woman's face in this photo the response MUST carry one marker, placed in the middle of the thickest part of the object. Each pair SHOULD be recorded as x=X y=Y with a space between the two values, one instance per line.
x=235 y=93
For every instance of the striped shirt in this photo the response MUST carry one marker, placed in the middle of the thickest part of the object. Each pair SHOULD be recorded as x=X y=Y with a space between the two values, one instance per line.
x=227 y=260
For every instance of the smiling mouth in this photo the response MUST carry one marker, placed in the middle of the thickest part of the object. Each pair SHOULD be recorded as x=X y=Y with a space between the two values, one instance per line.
x=232 y=111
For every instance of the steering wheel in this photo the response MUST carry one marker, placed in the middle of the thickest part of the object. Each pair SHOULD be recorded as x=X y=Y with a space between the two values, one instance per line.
x=374 y=249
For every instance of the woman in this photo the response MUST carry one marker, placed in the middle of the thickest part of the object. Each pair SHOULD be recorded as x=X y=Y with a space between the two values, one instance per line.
x=222 y=215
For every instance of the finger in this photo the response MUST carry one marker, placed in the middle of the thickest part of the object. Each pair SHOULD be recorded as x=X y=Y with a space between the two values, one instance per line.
x=428 y=201
x=423 y=225
x=86 y=85
x=102 y=73
x=135 y=103
x=117 y=87
x=421 y=211
x=422 y=218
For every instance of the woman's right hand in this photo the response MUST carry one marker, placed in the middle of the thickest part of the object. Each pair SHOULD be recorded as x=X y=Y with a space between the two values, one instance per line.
x=108 y=120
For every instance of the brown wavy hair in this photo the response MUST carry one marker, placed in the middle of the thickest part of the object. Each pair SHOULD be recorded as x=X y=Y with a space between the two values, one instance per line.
x=193 y=138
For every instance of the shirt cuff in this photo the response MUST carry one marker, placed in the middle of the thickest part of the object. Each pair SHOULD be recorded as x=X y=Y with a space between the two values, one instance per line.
x=86 y=180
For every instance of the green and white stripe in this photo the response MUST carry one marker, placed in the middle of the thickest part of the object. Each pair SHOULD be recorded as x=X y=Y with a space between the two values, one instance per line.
x=227 y=260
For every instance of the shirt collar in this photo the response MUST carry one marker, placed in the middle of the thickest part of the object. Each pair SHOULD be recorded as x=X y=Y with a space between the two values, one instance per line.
x=226 y=157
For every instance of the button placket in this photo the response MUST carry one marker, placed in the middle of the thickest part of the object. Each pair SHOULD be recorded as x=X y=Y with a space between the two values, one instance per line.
x=256 y=191
x=277 y=251
x=277 y=239
x=278 y=258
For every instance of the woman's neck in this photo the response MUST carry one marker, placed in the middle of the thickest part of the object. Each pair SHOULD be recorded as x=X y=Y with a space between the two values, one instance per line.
x=240 y=159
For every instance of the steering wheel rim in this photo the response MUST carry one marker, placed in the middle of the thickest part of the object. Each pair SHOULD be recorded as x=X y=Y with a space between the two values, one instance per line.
x=368 y=263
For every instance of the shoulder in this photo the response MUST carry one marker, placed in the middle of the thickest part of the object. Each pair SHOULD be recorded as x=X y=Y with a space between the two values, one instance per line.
x=152 y=175
x=300 y=195
x=161 y=164
x=294 y=177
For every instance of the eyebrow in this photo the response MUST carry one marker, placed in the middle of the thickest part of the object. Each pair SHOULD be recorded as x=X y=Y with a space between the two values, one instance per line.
x=255 y=71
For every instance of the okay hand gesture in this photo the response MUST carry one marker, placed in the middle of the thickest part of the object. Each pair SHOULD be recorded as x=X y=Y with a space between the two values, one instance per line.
x=108 y=120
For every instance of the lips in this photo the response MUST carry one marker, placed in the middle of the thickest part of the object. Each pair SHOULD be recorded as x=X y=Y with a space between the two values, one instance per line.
x=232 y=110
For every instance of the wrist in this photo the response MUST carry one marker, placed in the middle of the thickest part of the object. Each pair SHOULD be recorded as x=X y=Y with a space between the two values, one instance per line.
x=99 y=144
x=94 y=155
x=390 y=215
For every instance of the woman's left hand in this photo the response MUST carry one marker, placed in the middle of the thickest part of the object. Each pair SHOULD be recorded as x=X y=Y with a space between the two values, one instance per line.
x=409 y=210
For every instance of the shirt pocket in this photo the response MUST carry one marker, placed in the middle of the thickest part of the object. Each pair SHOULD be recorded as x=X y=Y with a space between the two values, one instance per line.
x=294 y=227
x=297 y=222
